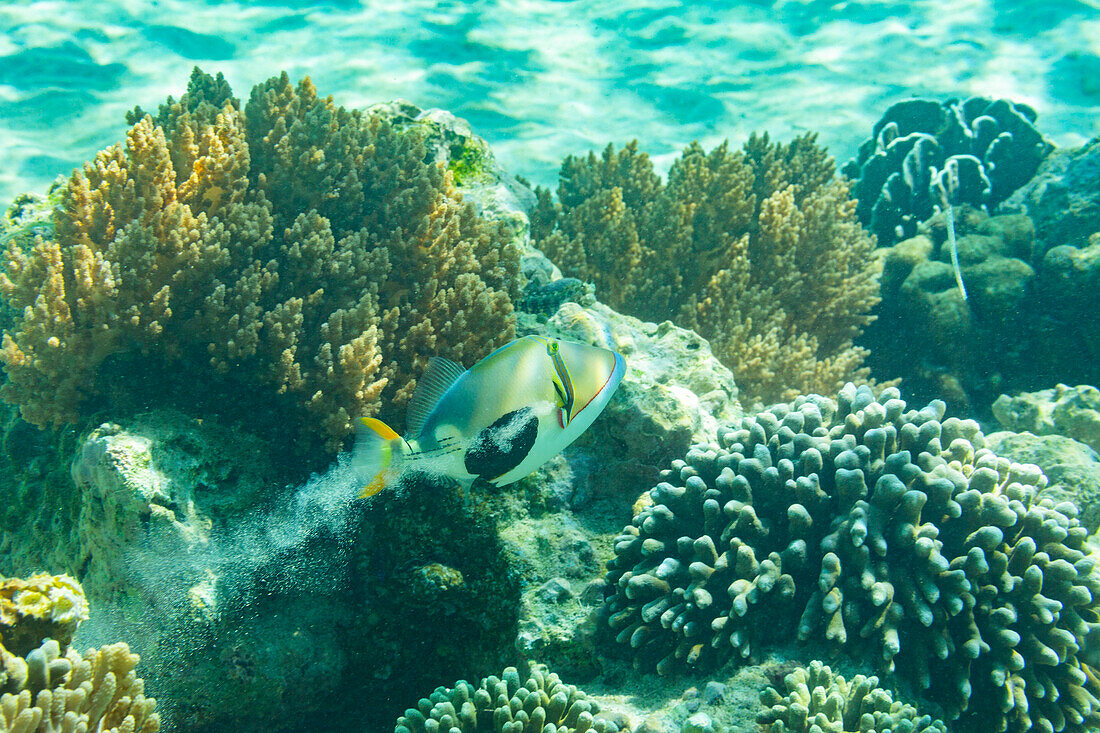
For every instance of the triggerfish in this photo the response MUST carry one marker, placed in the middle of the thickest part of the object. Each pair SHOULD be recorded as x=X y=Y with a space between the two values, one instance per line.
x=498 y=420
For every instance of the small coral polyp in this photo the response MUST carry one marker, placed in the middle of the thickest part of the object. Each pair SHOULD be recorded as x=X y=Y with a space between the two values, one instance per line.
x=886 y=532
x=285 y=254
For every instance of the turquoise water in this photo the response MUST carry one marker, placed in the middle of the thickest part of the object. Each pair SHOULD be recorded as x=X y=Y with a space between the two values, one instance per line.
x=541 y=80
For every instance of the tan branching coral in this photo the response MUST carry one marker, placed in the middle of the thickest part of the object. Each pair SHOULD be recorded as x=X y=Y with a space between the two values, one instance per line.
x=292 y=245
x=52 y=692
x=758 y=250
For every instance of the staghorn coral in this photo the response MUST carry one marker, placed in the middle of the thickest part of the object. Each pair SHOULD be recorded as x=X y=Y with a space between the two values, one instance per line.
x=290 y=255
x=890 y=533
x=507 y=704
x=724 y=247
x=818 y=701
x=37 y=607
x=52 y=692
x=923 y=154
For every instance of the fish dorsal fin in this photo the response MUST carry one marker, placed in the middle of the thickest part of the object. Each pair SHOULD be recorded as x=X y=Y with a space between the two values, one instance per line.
x=440 y=375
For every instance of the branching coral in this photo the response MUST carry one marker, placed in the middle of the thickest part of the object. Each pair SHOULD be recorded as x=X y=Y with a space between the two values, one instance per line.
x=65 y=693
x=891 y=533
x=507 y=704
x=758 y=250
x=818 y=701
x=37 y=607
x=292 y=244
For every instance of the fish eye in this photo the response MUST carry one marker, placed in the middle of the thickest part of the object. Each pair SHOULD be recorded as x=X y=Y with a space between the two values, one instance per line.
x=551 y=347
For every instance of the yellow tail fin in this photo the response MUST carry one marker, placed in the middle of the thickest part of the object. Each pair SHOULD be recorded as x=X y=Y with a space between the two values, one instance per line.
x=374 y=457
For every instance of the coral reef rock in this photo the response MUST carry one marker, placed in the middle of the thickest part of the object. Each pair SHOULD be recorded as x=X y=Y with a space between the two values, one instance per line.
x=1072 y=468
x=923 y=155
x=39 y=505
x=969 y=351
x=1063 y=197
x=818 y=701
x=157 y=484
x=887 y=532
x=240 y=595
x=1070 y=411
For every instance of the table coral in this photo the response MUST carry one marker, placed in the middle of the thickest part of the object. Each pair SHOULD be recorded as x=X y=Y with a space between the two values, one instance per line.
x=289 y=245
x=757 y=250
x=37 y=607
x=507 y=704
x=888 y=532
x=818 y=701
x=54 y=692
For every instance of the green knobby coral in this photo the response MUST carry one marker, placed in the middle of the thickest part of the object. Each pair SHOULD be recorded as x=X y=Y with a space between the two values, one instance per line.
x=886 y=532
x=818 y=701
x=757 y=250
x=507 y=704
x=286 y=263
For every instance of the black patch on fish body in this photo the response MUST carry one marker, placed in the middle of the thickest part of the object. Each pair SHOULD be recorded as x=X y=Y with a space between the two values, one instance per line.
x=502 y=446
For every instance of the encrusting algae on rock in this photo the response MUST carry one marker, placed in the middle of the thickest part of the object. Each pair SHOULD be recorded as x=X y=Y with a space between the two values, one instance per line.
x=284 y=261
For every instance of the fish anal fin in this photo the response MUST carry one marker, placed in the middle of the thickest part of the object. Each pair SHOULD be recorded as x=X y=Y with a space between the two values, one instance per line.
x=431 y=386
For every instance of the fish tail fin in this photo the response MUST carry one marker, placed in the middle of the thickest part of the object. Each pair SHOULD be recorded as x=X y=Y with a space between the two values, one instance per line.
x=378 y=454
